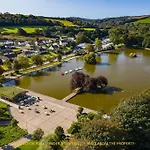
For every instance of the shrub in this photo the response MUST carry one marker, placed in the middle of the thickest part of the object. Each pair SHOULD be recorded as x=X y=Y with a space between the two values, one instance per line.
x=59 y=131
x=38 y=134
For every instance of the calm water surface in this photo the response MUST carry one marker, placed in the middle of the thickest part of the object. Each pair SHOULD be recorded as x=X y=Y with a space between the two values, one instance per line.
x=126 y=77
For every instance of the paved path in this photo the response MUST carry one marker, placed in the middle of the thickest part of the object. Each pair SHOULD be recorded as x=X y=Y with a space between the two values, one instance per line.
x=16 y=143
x=9 y=103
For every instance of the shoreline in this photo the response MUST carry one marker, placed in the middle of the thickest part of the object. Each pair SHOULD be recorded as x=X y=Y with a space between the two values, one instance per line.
x=42 y=68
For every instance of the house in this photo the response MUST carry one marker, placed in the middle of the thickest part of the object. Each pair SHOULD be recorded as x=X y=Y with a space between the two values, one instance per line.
x=107 y=46
x=43 y=50
x=55 y=46
x=63 y=42
x=10 y=55
x=81 y=46
x=71 y=39
x=28 y=53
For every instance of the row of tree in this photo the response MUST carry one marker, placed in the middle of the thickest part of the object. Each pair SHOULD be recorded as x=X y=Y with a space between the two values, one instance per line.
x=104 y=23
x=8 y=19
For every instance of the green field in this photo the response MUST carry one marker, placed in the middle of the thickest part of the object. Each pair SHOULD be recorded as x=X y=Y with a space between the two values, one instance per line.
x=13 y=30
x=146 y=20
x=65 y=22
x=89 y=29
x=4 y=114
x=31 y=145
x=10 y=133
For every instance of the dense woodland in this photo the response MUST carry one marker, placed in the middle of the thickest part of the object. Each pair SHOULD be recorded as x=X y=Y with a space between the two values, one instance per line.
x=132 y=35
x=7 y=19
x=103 y=23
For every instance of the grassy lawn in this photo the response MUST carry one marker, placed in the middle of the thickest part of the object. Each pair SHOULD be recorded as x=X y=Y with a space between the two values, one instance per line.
x=146 y=20
x=4 y=115
x=5 y=67
x=16 y=49
x=10 y=91
x=10 y=133
x=31 y=145
x=89 y=29
x=28 y=29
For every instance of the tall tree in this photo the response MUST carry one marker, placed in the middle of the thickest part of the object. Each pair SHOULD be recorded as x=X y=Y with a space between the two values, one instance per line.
x=16 y=65
x=23 y=61
x=37 y=59
x=98 y=44
x=134 y=114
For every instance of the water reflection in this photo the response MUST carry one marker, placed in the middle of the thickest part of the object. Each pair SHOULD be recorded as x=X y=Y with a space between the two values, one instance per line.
x=25 y=81
x=90 y=68
x=112 y=58
x=98 y=59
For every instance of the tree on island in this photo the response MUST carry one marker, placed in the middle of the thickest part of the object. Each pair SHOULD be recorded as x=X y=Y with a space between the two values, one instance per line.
x=90 y=58
x=86 y=83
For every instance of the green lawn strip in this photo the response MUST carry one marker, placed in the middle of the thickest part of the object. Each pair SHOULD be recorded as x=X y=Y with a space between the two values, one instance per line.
x=53 y=54
x=6 y=114
x=31 y=145
x=14 y=29
x=38 y=68
x=89 y=29
x=5 y=67
x=16 y=49
x=10 y=133
x=44 y=66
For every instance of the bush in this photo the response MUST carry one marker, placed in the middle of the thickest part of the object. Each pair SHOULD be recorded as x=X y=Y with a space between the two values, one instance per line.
x=91 y=115
x=38 y=134
x=14 y=122
x=59 y=131
x=74 y=128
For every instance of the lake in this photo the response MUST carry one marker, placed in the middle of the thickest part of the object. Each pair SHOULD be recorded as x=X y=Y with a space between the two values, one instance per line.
x=126 y=77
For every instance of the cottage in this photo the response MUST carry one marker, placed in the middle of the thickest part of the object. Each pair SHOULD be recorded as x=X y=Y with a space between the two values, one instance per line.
x=10 y=55
x=28 y=53
x=55 y=46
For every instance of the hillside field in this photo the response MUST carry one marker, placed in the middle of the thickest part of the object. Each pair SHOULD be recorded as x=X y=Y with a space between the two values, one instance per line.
x=89 y=29
x=13 y=30
x=65 y=22
x=146 y=20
